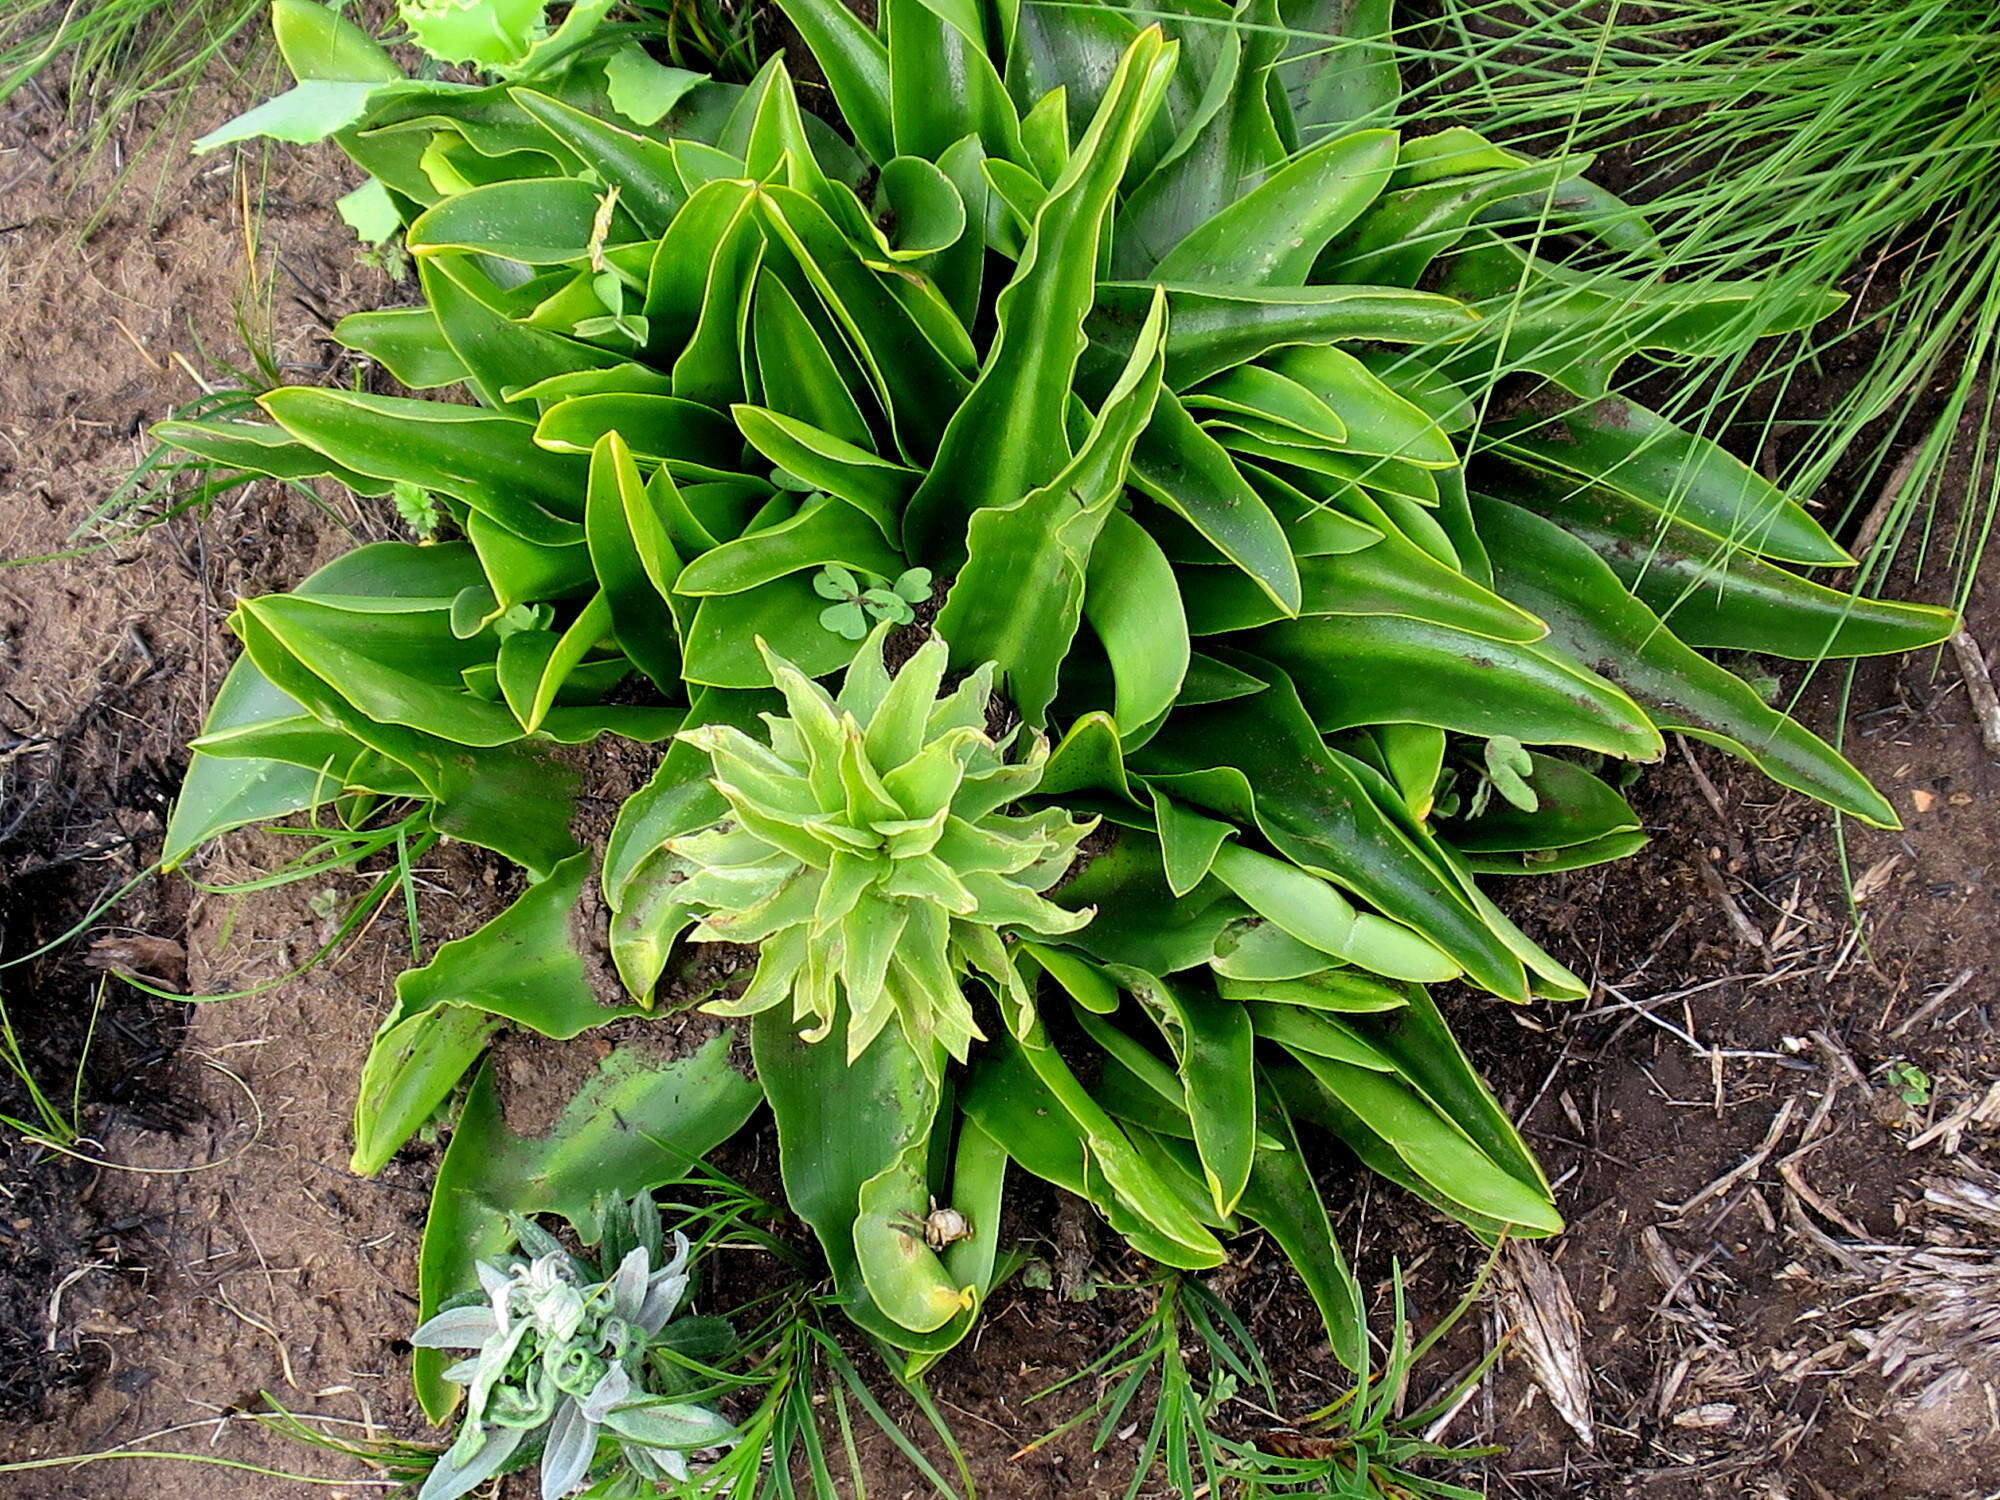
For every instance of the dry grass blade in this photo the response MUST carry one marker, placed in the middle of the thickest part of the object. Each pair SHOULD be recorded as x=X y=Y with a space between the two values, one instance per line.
x=1549 y=1333
x=1946 y=1330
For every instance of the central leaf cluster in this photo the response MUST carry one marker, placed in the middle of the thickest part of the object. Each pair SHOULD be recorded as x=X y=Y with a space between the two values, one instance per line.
x=865 y=850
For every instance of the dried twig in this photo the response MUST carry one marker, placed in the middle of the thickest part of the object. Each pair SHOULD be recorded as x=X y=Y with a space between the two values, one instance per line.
x=1979 y=689
x=1933 y=1005
x=1746 y=1168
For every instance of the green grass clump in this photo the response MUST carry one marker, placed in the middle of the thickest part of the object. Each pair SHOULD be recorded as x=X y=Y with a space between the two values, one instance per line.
x=1848 y=145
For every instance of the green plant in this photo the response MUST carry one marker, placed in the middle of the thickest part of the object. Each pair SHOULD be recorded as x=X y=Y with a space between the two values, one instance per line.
x=1911 y=1083
x=566 y=1356
x=865 y=853
x=1363 y=1444
x=1126 y=340
x=857 y=603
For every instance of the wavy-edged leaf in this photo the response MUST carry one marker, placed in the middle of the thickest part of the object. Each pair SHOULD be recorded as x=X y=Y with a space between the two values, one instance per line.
x=1024 y=587
x=1010 y=434
x=1593 y=619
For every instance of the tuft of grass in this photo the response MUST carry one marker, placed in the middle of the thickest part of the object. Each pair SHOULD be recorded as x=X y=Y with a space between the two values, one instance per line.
x=1366 y=1445
x=49 y=1120
x=1850 y=144
x=116 y=55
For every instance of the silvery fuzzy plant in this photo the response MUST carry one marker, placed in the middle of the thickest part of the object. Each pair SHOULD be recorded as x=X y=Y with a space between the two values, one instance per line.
x=560 y=1361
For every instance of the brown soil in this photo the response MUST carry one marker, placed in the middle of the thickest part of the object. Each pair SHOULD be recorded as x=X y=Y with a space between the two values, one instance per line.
x=228 y=1252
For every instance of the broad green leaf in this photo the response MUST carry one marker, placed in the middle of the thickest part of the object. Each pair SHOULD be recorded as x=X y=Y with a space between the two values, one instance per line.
x=856 y=65
x=799 y=373
x=825 y=530
x=1339 y=990
x=1212 y=1046
x=1607 y=850
x=1356 y=670
x=260 y=448
x=1272 y=234
x=1338 y=69
x=1045 y=144
x=1310 y=805
x=506 y=799
x=1260 y=400
x=1619 y=445
x=221 y=793
x=316 y=41
x=1023 y=588
x=487 y=460
x=679 y=799
x=1402 y=234
x=1140 y=922
x=922 y=205
x=878 y=487
x=1433 y=1146
x=1216 y=328
x=720 y=645
x=692 y=439
x=1021 y=1077
x=544 y=221
x=841 y=1125
x=498 y=353
x=1578 y=327
x=1227 y=151
x=714 y=224
x=634 y=561
x=394 y=668
x=917 y=384
x=906 y=1278
x=942 y=81
x=520 y=967
x=1311 y=1033
x=1710 y=594
x=1134 y=607
x=642 y=169
x=1379 y=419
x=1432 y=1062
x=643 y=90
x=1412 y=758
x=1192 y=475
x=959 y=271
x=1312 y=911
x=405 y=341
x=1389 y=578
x=306 y=112
x=530 y=691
